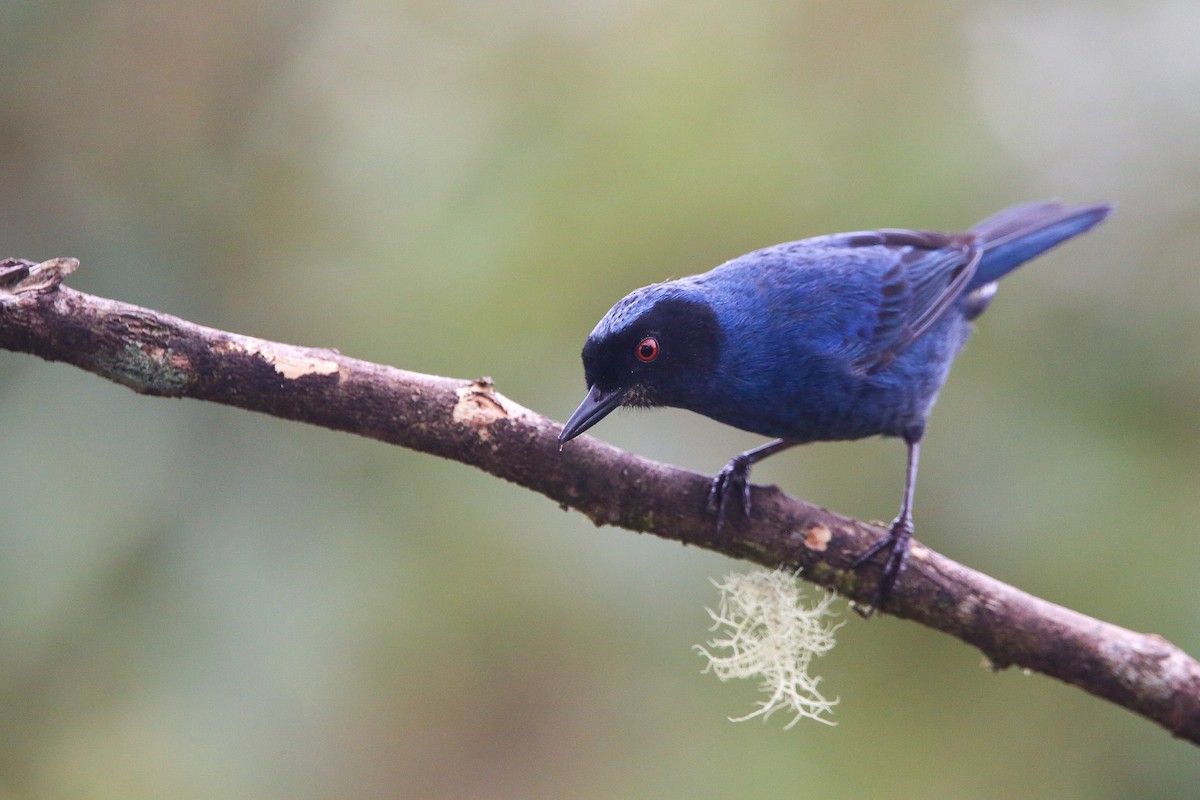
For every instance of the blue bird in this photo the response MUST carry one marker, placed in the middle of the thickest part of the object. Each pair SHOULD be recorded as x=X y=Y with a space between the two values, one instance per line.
x=835 y=337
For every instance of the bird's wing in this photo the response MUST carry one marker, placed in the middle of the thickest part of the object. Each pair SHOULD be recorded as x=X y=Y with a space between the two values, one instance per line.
x=929 y=271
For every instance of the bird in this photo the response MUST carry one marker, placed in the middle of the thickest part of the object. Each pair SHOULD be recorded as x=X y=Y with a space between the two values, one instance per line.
x=832 y=338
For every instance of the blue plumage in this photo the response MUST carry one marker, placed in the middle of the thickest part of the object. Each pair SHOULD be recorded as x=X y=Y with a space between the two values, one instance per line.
x=831 y=338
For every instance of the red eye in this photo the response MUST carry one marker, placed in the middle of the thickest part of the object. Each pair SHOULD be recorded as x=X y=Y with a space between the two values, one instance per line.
x=647 y=349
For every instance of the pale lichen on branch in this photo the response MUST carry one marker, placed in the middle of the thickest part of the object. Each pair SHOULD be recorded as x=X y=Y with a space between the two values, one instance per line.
x=770 y=632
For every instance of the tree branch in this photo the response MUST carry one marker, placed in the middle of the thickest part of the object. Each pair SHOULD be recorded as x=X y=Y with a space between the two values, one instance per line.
x=468 y=421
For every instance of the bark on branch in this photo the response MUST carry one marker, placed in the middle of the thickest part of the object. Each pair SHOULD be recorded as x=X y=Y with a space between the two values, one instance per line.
x=468 y=421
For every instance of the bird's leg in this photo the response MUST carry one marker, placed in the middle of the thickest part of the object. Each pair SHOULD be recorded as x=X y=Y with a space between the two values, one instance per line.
x=734 y=479
x=898 y=537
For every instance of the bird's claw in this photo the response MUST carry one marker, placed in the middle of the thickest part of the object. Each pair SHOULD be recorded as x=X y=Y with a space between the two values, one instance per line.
x=732 y=480
x=897 y=544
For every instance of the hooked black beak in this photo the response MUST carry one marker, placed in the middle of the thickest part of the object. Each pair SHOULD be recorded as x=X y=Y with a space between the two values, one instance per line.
x=595 y=407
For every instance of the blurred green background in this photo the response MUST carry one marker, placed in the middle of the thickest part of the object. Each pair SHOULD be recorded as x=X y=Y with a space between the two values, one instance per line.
x=199 y=602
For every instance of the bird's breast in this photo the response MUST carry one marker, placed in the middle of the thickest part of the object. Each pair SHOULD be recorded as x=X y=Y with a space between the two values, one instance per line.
x=802 y=393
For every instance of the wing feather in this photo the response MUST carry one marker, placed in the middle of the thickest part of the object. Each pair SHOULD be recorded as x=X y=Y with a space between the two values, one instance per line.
x=930 y=271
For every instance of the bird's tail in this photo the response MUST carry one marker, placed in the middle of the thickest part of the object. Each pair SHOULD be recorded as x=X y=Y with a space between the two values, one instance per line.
x=1020 y=233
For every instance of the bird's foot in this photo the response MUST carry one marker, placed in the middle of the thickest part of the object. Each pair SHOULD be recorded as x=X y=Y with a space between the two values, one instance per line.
x=896 y=544
x=732 y=481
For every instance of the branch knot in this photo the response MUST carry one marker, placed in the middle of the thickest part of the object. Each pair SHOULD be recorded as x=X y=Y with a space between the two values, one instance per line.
x=18 y=276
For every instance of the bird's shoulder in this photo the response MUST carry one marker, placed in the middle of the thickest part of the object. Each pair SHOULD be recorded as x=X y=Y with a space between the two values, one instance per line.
x=864 y=254
x=872 y=293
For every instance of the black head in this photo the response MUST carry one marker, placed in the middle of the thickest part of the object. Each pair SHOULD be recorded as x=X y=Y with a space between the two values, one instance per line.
x=651 y=349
